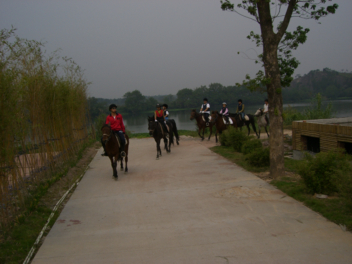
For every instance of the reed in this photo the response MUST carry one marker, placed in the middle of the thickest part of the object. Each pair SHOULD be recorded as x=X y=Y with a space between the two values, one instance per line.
x=43 y=120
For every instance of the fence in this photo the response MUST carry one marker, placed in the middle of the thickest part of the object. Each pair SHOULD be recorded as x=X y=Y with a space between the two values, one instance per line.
x=43 y=120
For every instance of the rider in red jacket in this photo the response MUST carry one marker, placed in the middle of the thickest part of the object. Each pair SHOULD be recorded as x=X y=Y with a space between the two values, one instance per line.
x=117 y=126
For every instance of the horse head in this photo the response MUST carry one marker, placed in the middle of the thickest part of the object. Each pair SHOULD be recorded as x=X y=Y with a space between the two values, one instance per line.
x=193 y=114
x=151 y=125
x=106 y=131
x=259 y=112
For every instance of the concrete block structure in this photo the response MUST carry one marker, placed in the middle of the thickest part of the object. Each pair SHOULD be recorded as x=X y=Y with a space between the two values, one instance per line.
x=321 y=135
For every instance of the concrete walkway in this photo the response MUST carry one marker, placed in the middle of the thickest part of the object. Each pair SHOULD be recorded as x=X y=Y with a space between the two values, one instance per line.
x=191 y=206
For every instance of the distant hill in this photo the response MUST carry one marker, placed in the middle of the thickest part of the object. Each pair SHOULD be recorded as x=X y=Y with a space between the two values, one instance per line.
x=329 y=83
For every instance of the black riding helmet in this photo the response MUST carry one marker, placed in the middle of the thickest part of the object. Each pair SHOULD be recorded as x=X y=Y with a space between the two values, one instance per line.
x=112 y=106
x=165 y=105
x=239 y=100
x=158 y=105
x=205 y=99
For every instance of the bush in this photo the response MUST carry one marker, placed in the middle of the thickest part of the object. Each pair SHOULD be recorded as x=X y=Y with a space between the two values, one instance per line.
x=259 y=157
x=325 y=172
x=250 y=146
x=344 y=185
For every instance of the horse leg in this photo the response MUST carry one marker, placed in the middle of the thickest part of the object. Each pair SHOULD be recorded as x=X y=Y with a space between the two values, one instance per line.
x=266 y=131
x=255 y=130
x=121 y=164
x=259 y=130
x=203 y=133
x=211 y=132
x=199 y=133
x=126 y=160
x=249 y=129
x=166 y=147
x=158 y=150
x=114 y=165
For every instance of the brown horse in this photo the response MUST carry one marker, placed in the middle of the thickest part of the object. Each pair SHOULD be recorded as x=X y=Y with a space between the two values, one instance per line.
x=217 y=120
x=113 y=150
x=201 y=123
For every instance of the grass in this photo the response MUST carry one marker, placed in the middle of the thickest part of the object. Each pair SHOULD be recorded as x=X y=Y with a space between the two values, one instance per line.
x=16 y=240
x=334 y=208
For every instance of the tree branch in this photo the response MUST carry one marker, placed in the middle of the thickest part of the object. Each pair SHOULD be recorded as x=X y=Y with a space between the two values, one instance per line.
x=286 y=20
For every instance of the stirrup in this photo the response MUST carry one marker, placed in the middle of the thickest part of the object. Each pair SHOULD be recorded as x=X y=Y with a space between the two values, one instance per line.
x=123 y=154
x=104 y=154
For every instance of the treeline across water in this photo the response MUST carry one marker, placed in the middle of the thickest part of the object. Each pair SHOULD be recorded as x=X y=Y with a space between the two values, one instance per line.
x=329 y=83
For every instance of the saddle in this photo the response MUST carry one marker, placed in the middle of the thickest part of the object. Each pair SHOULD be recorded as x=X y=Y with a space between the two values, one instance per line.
x=204 y=118
x=162 y=129
x=118 y=140
x=227 y=123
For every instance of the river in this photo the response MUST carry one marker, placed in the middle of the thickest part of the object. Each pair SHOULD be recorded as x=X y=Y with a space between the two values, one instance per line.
x=139 y=124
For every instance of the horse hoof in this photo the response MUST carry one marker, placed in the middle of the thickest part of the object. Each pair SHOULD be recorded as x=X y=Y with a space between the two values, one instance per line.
x=178 y=143
x=126 y=170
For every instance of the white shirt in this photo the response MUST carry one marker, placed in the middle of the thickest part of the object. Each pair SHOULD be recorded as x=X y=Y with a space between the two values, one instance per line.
x=208 y=111
x=266 y=108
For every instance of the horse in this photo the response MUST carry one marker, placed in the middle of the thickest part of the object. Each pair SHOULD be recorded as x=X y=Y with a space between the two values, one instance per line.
x=174 y=129
x=241 y=122
x=201 y=123
x=217 y=120
x=112 y=148
x=156 y=130
x=261 y=121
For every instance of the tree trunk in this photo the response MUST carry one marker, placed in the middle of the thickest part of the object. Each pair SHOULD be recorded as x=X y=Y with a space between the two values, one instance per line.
x=271 y=66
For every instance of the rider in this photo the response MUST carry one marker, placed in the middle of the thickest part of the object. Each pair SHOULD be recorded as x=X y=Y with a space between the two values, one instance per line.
x=205 y=109
x=159 y=117
x=266 y=110
x=117 y=128
x=166 y=113
x=240 y=109
x=225 y=112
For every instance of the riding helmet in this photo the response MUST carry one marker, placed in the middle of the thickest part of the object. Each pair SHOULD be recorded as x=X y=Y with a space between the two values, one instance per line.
x=112 y=106
x=224 y=103
x=165 y=105
x=205 y=99
x=158 y=105
x=240 y=100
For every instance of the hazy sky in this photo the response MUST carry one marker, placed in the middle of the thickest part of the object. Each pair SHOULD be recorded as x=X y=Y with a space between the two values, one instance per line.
x=161 y=46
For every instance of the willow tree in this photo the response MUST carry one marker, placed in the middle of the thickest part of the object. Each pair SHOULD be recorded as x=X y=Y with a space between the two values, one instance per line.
x=273 y=17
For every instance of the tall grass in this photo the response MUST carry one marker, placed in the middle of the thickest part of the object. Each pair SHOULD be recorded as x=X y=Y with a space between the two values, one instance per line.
x=43 y=119
x=314 y=111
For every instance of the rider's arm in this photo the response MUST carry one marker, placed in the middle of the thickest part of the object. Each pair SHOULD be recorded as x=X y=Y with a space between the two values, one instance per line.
x=207 y=108
x=237 y=110
x=123 y=125
x=226 y=111
x=155 y=116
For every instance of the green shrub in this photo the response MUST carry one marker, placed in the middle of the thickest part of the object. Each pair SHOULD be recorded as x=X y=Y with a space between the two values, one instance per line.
x=344 y=186
x=259 y=157
x=324 y=172
x=251 y=145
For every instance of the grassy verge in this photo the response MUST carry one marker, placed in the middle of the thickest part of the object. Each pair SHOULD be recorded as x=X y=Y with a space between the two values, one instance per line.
x=17 y=240
x=180 y=132
x=334 y=208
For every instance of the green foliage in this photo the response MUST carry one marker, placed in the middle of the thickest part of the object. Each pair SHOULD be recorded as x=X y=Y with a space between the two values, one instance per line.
x=321 y=173
x=251 y=145
x=344 y=186
x=234 y=138
x=98 y=123
x=259 y=157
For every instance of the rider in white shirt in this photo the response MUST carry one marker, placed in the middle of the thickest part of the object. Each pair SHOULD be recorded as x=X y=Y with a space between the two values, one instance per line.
x=266 y=110
x=205 y=110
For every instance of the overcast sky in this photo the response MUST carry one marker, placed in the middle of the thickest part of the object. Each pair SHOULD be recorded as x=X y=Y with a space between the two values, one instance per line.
x=161 y=46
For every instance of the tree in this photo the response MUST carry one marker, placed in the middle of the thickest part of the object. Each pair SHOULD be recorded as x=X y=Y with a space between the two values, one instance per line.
x=277 y=57
x=135 y=99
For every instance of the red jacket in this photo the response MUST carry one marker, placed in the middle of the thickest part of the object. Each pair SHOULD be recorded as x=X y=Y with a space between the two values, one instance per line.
x=115 y=123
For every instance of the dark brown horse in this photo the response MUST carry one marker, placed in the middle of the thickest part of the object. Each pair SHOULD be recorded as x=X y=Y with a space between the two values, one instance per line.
x=113 y=149
x=156 y=130
x=217 y=120
x=201 y=123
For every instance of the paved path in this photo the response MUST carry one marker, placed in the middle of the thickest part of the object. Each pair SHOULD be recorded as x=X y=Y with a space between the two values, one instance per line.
x=191 y=206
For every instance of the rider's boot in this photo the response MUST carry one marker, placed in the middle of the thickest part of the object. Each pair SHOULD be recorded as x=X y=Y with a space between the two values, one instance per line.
x=104 y=153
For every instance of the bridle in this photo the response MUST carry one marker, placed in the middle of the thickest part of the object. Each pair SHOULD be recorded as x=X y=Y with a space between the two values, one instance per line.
x=109 y=136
